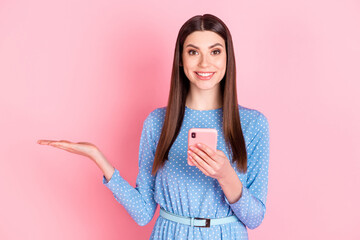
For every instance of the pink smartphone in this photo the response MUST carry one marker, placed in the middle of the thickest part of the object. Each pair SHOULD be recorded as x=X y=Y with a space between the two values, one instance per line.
x=208 y=136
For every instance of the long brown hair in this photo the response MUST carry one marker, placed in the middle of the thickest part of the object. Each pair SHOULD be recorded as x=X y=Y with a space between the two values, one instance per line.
x=179 y=89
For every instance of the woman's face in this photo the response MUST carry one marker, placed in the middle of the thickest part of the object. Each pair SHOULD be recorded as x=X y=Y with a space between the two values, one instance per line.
x=204 y=59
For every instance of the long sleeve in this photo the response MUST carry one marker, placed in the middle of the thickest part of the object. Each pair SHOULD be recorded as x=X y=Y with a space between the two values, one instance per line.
x=139 y=201
x=251 y=206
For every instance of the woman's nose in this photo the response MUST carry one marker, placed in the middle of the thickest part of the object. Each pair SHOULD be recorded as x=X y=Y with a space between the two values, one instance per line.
x=204 y=62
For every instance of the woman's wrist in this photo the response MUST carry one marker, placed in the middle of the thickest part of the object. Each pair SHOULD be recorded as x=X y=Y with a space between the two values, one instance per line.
x=104 y=165
x=231 y=186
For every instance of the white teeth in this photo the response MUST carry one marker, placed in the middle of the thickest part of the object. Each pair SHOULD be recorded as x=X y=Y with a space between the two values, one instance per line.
x=204 y=74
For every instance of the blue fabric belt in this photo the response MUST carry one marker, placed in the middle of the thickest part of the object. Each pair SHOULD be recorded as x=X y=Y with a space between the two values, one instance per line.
x=197 y=222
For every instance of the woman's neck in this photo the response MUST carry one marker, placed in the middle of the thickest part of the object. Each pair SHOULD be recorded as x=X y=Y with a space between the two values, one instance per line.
x=204 y=100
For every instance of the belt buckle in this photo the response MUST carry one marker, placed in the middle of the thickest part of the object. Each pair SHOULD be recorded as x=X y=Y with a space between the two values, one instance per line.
x=207 y=223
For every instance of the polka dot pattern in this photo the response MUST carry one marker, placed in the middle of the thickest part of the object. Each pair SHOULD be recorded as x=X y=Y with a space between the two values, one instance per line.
x=184 y=190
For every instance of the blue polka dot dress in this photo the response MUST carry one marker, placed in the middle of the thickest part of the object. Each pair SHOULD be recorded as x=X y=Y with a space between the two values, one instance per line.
x=184 y=190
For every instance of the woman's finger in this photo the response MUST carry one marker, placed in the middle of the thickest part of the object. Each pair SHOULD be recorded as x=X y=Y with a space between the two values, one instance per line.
x=45 y=142
x=63 y=145
x=210 y=152
x=197 y=164
x=202 y=163
x=85 y=143
x=211 y=162
x=82 y=148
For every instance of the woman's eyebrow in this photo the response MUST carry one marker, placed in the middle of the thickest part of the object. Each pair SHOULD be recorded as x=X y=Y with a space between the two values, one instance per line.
x=216 y=44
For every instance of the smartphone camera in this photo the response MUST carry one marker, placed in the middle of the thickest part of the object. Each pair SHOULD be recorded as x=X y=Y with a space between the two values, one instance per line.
x=193 y=135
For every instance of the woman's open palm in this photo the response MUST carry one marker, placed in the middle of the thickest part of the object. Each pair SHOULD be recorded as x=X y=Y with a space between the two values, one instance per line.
x=83 y=148
x=86 y=149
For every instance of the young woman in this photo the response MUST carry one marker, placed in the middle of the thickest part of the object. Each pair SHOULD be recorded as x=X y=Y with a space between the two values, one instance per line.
x=212 y=194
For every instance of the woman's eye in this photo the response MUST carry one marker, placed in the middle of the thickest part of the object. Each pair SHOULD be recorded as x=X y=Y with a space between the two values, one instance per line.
x=216 y=52
x=192 y=52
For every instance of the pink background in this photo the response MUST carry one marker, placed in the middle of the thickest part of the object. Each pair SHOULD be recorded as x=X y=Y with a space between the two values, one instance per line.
x=93 y=70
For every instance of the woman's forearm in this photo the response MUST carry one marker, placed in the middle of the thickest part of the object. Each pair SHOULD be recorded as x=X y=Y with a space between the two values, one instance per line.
x=232 y=187
x=104 y=165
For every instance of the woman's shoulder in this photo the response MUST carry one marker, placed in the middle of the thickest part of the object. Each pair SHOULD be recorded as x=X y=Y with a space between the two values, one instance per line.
x=156 y=116
x=248 y=115
x=157 y=113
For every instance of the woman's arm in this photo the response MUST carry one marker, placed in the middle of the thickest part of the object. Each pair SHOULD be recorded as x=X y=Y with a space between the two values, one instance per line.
x=139 y=201
x=232 y=187
x=248 y=199
x=251 y=206
x=104 y=165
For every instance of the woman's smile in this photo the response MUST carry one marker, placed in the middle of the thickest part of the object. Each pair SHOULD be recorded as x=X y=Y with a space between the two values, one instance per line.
x=205 y=75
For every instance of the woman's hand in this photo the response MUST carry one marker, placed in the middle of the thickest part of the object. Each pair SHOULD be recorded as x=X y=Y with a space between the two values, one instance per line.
x=212 y=164
x=85 y=149
x=82 y=148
